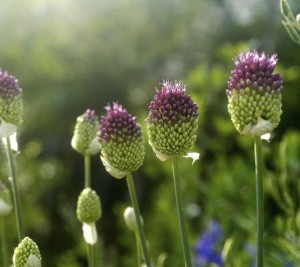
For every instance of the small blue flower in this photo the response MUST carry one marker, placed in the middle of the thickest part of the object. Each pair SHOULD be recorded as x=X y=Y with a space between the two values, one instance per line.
x=205 y=249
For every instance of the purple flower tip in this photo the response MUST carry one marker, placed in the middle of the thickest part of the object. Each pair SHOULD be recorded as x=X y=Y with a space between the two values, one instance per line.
x=118 y=124
x=255 y=71
x=171 y=104
x=9 y=85
x=90 y=115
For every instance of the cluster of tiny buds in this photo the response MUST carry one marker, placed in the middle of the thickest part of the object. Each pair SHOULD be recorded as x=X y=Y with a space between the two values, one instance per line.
x=9 y=85
x=118 y=124
x=254 y=71
x=172 y=103
x=90 y=115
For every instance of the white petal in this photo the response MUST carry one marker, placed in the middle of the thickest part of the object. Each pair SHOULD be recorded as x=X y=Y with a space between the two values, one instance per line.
x=94 y=147
x=158 y=154
x=90 y=233
x=6 y=128
x=33 y=261
x=193 y=155
x=112 y=170
x=266 y=137
x=260 y=128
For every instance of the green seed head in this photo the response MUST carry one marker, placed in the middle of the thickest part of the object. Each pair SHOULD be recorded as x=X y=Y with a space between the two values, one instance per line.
x=254 y=94
x=27 y=254
x=88 y=206
x=121 y=140
x=85 y=135
x=172 y=121
x=11 y=104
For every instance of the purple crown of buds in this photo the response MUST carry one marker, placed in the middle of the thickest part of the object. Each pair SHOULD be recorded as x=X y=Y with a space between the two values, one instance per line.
x=9 y=86
x=118 y=125
x=172 y=104
x=255 y=71
x=90 y=116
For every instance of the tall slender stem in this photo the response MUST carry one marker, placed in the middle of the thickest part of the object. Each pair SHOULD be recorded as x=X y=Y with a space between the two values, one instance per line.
x=180 y=213
x=87 y=183
x=87 y=171
x=135 y=205
x=3 y=242
x=138 y=249
x=15 y=190
x=259 y=201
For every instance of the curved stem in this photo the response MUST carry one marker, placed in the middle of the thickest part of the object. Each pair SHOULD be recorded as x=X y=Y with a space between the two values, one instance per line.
x=259 y=201
x=16 y=197
x=133 y=197
x=180 y=213
x=87 y=171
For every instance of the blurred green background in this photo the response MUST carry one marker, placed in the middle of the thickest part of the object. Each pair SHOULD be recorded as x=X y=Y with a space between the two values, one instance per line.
x=73 y=55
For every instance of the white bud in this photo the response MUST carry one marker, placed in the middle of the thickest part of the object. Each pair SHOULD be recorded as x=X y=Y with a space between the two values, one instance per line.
x=130 y=219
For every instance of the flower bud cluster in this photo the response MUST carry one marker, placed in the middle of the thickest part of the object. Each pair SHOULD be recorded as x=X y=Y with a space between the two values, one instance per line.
x=172 y=121
x=27 y=254
x=121 y=141
x=85 y=134
x=254 y=94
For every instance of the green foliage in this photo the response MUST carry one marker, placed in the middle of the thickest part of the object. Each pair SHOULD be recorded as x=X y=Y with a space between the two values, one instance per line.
x=73 y=55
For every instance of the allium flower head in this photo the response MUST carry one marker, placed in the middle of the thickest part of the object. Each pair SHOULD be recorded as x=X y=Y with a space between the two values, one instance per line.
x=172 y=121
x=122 y=143
x=27 y=254
x=11 y=104
x=85 y=134
x=254 y=94
x=88 y=206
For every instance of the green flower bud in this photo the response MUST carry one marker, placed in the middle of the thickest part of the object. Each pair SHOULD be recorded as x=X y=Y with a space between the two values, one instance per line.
x=27 y=254
x=122 y=143
x=88 y=206
x=254 y=94
x=84 y=139
x=11 y=104
x=5 y=200
x=130 y=219
x=172 y=121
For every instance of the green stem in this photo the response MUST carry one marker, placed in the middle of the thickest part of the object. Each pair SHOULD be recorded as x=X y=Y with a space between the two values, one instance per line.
x=16 y=196
x=133 y=197
x=3 y=242
x=138 y=249
x=87 y=183
x=259 y=201
x=87 y=171
x=180 y=213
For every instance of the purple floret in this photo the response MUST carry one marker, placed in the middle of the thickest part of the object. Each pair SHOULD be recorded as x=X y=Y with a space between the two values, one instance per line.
x=118 y=125
x=90 y=115
x=172 y=104
x=9 y=85
x=255 y=71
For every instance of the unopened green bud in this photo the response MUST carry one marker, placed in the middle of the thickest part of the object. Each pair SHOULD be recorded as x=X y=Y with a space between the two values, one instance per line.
x=88 y=206
x=130 y=219
x=85 y=134
x=27 y=254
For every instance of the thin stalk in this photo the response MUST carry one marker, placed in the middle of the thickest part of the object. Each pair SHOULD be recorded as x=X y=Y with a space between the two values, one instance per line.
x=87 y=171
x=135 y=205
x=138 y=249
x=259 y=201
x=87 y=183
x=180 y=213
x=15 y=190
x=3 y=242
